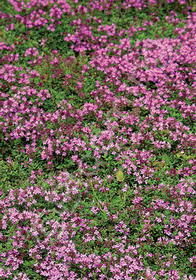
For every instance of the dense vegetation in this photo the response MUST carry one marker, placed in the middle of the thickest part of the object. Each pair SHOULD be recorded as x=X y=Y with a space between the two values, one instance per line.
x=97 y=139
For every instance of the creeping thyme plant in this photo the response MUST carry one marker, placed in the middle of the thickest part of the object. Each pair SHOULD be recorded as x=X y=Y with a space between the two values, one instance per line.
x=97 y=139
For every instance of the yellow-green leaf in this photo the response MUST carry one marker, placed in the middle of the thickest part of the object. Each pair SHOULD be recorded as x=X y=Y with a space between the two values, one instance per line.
x=180 y=154
x=120 y=176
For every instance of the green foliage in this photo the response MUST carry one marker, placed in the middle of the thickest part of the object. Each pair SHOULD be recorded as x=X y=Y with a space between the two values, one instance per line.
x=120 y=176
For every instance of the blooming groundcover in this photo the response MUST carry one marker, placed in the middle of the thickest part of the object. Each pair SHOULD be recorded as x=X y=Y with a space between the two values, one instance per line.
x=97 y=140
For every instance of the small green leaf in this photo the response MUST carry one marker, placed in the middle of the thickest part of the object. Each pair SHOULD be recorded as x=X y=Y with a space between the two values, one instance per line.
x=120 y=176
